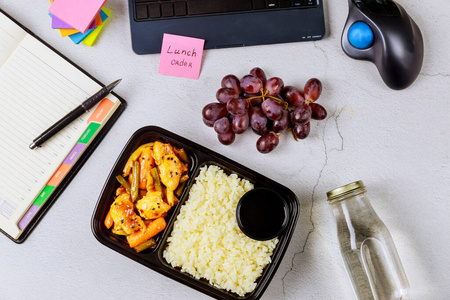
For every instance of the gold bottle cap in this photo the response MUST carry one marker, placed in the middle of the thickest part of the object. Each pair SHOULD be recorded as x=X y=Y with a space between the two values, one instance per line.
x=345 y=189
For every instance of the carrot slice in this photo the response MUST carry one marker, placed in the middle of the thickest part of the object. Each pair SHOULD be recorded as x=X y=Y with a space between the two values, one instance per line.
x=152 y=229
x=109 y=220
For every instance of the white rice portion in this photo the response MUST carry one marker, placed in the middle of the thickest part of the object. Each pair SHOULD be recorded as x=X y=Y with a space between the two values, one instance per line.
x=206 y=241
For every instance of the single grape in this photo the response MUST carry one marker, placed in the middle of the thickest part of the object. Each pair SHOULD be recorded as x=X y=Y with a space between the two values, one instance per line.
x=272 y=109
x=282 y=124
x=261 y=132
x=274 y=86
x=222 y=125
x=318 y=112
x=227 y=138
x=258 y=72
x=267 y=142
x=208 y=123
x=223 y=95
x=232 y=82
x=240 y=123
x=258 y=120
x=301 y=115
x=251 y=84
x=293 y=96
x=237 y=106
x=214 y=111
x=313 y=89
x=301 y=131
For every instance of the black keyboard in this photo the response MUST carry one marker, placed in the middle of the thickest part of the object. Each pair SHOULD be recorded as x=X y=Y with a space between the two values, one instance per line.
x=161 y=9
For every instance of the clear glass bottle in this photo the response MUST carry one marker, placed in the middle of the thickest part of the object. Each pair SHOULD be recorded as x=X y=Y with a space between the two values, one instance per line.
x=366 y=246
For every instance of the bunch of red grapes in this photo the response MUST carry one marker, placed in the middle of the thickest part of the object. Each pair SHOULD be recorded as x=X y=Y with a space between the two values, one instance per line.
x=265 y=105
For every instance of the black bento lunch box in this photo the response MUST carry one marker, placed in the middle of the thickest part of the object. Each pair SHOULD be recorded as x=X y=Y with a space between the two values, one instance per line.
x=198 y=156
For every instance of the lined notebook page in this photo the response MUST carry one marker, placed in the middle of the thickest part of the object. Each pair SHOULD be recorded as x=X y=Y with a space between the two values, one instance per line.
x=10 y=36
x=37 y=88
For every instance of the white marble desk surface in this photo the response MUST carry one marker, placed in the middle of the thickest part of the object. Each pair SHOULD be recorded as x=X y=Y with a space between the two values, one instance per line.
x=396 y=141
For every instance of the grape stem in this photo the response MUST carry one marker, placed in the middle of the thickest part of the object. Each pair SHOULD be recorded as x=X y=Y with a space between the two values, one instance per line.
x=264 y=95
x=290 y=129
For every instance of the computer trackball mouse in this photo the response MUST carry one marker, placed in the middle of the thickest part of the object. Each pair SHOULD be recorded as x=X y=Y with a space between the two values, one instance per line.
x=382 y=32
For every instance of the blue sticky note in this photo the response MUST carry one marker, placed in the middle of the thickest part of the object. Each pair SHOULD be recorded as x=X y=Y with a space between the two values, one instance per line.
x=78 y=37
x=103 y=15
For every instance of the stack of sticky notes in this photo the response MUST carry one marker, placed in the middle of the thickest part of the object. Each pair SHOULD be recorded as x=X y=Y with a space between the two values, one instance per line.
x=80 y=20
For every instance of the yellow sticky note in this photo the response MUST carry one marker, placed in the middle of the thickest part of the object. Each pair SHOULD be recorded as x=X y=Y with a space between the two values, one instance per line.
x=90 y=39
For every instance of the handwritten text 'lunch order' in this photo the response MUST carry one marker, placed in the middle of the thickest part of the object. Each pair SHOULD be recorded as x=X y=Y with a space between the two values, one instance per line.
x=183 y=62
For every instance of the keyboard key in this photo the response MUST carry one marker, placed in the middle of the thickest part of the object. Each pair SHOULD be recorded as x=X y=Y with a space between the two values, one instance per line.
x=180 y=8
x=272 y=3
x=154 y=11
x=196 y=7
x=167 y=9
x=297 y=3
x=259 y=4
x=285 y=3
x=141 y=12
x=311 y=2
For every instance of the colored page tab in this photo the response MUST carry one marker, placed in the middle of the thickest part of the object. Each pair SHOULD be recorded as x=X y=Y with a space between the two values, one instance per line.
x=77 y=13
x=26 y=219
x=101 y=111
x=89 y=133
x=74 y=154
x=89 y=40
x=59 y=175
x=181 y=56
x=43 y=196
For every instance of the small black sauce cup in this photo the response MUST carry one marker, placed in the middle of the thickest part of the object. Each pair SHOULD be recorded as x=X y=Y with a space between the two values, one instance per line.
x=262 y=214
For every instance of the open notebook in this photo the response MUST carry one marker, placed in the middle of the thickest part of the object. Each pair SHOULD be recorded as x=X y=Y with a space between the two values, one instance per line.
x=37 y=87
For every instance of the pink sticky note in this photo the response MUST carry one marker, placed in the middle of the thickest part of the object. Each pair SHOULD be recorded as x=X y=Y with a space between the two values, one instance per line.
x=181 y=56
x=77 y=13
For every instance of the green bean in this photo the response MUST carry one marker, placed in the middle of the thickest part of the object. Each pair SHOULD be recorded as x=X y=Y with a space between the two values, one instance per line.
x=180 y=188
x=145 y=245
x=156 y=181
x=181 y=154
x=124 y=183
x=135 y=182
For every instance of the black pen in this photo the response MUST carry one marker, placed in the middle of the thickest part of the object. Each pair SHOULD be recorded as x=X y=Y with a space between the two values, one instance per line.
x=74 y=114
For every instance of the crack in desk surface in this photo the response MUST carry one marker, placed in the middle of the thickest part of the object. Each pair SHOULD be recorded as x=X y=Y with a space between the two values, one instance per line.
x=313 y=225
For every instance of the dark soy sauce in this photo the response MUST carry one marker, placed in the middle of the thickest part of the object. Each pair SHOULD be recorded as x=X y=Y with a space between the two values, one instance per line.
x=262 y=214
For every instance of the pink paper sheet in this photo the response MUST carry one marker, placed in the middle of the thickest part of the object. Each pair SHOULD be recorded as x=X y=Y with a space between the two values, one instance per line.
x=77 y=13
x=181 y=56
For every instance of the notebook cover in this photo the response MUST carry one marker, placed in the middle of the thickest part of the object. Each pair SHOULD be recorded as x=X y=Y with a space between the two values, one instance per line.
x=72 y=173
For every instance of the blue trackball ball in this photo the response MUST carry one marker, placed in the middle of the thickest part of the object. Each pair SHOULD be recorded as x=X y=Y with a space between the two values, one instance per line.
x=360 y=35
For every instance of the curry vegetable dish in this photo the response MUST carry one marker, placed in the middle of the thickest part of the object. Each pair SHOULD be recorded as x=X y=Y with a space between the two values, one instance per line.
x=152 y=180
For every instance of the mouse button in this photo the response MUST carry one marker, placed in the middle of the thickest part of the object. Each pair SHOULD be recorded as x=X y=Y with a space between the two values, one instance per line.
x=376 y=9
x=392 y=9
x=360 y=4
